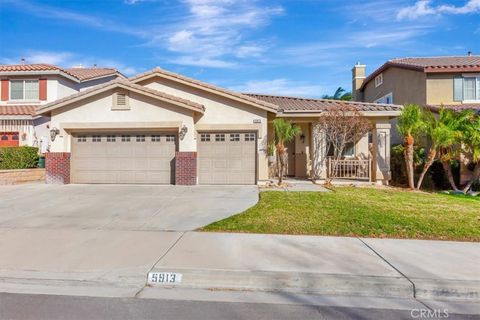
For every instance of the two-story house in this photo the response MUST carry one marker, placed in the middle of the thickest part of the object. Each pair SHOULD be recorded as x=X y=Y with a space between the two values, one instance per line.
x=432 y=82
x=26 y=87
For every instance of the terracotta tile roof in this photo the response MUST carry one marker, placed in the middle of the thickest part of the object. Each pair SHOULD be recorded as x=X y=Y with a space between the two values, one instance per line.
x=81 y=74
x=430 y=65
x=467 y=106
x=84 y=74
x=18 y=110
x=440 y=62
x=28 y=67
x=128 y=84
x=199 y=83
x=292 y=104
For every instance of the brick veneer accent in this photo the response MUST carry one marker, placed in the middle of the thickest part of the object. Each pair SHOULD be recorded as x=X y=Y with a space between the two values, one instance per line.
x=185 y=168
x=57 y=166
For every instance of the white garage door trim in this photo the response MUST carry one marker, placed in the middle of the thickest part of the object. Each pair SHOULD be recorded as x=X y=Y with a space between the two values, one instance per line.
x=227 y=157
x=123 y=157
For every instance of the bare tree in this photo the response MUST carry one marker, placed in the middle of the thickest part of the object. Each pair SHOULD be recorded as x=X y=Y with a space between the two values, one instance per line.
x=336 y=128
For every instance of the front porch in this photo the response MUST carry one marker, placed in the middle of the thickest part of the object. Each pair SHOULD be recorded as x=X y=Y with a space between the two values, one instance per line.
x=366 y=161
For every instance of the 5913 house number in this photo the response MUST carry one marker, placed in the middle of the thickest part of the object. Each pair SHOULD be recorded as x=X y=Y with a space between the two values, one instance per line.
x=164 y=278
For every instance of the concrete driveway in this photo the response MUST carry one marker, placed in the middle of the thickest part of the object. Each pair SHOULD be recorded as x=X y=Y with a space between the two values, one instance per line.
x=120 y=207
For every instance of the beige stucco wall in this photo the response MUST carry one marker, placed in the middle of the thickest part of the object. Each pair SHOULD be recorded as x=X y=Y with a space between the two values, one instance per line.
x=221 y=112
x=143 y=109
x=440 y=89
x=407 y=86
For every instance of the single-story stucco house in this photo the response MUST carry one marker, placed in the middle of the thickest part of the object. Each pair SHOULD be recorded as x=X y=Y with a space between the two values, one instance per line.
x=160 y=127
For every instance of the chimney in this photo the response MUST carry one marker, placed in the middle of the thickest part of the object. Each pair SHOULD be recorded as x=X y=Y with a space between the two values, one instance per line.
x=469 y=53
x=358 y=76
x=22 y=61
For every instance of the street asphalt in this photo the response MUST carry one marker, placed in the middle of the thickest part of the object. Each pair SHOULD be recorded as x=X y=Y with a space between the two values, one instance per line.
x=43 y=307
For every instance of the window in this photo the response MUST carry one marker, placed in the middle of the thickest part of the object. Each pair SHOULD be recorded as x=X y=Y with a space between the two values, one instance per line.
x=235 y=137
x=15 y=137
x=469 y=89
x=204 y=137
x=220 y=137
x=125 y=138
x=466 y=88
x=249 y=136
x=141 y=138
x=82 y=139
x=4 y=137
x=24 y=89
x=111 y=138
x=170 y=138
x=155 y=138
x=386 y=99
x=378 y=80
x=349 y=150
x=96 y=139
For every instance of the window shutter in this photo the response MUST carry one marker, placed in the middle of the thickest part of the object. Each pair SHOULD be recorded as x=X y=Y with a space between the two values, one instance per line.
x=42 y=93
x=5 y=89
x=457 y=89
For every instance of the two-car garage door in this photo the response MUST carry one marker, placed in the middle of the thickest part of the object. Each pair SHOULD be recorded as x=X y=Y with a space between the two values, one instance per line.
x=149 y=158
x=146 y=158
x=227 y=158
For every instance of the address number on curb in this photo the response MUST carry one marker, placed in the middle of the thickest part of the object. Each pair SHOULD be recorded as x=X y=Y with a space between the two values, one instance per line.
x=164 y=278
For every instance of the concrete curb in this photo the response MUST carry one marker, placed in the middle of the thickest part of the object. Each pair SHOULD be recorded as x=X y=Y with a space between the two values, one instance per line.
x=447 y=289
x=296 y=282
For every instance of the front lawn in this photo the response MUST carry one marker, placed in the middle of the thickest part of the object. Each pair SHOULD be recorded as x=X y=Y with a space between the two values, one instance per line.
x=366 y=212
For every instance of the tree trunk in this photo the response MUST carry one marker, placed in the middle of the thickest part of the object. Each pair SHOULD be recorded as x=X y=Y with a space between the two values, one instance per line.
x=431 y=157
x=281 y=164
x=475 y=176
x=408 y=154
x=448 y=170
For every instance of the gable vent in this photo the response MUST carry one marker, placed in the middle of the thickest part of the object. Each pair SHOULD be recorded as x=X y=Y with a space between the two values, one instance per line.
x=121 y=99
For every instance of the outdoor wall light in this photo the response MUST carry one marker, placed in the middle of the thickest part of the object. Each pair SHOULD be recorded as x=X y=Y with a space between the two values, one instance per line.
x=302 y=137
x=183 y=132
x=54 y=132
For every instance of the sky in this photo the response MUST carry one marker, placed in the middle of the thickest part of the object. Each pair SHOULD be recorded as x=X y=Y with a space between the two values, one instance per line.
x=286 y=47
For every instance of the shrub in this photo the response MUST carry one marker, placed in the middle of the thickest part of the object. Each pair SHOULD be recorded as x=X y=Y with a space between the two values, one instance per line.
x=18 y=157
x=435 y=178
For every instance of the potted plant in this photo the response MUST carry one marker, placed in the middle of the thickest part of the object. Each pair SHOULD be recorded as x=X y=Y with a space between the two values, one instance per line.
x=271 y=151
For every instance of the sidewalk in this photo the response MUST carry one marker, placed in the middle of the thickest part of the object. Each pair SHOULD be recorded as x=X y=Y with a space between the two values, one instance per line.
x=116 y=263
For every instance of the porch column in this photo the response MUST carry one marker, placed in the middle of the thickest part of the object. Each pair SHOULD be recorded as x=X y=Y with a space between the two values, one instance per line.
x=319 y=147
x=381 y=152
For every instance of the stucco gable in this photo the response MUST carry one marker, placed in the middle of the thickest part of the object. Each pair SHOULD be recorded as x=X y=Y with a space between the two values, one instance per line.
x=158 y=72
x=125 y=85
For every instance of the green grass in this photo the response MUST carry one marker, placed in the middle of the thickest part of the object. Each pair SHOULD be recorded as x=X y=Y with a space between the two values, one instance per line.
x=366 y=212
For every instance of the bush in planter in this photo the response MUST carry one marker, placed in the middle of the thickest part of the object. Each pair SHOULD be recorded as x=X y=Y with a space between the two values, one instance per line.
x=18 y=157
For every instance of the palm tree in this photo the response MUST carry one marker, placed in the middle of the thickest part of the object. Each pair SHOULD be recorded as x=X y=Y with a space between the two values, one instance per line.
x=471 y=140
x=340 y=94
x=444 y=135
x=285 y=131
x=409 y=125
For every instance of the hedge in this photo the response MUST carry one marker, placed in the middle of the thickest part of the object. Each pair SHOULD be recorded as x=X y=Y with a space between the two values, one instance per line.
x=18 y=157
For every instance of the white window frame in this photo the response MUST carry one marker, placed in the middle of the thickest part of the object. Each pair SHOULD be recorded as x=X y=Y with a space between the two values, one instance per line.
x=476 y=89
x=384 y=99
x=23 y=99
x=378 y=80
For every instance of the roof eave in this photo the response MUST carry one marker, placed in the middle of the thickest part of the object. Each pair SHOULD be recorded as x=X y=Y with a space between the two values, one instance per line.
x=318 y=113
x=46 y=109
x=264 y=105
x=40 y=73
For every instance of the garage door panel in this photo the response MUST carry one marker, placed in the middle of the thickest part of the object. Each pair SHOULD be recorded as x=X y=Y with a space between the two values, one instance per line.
x=232 y=161
x=123 y=159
